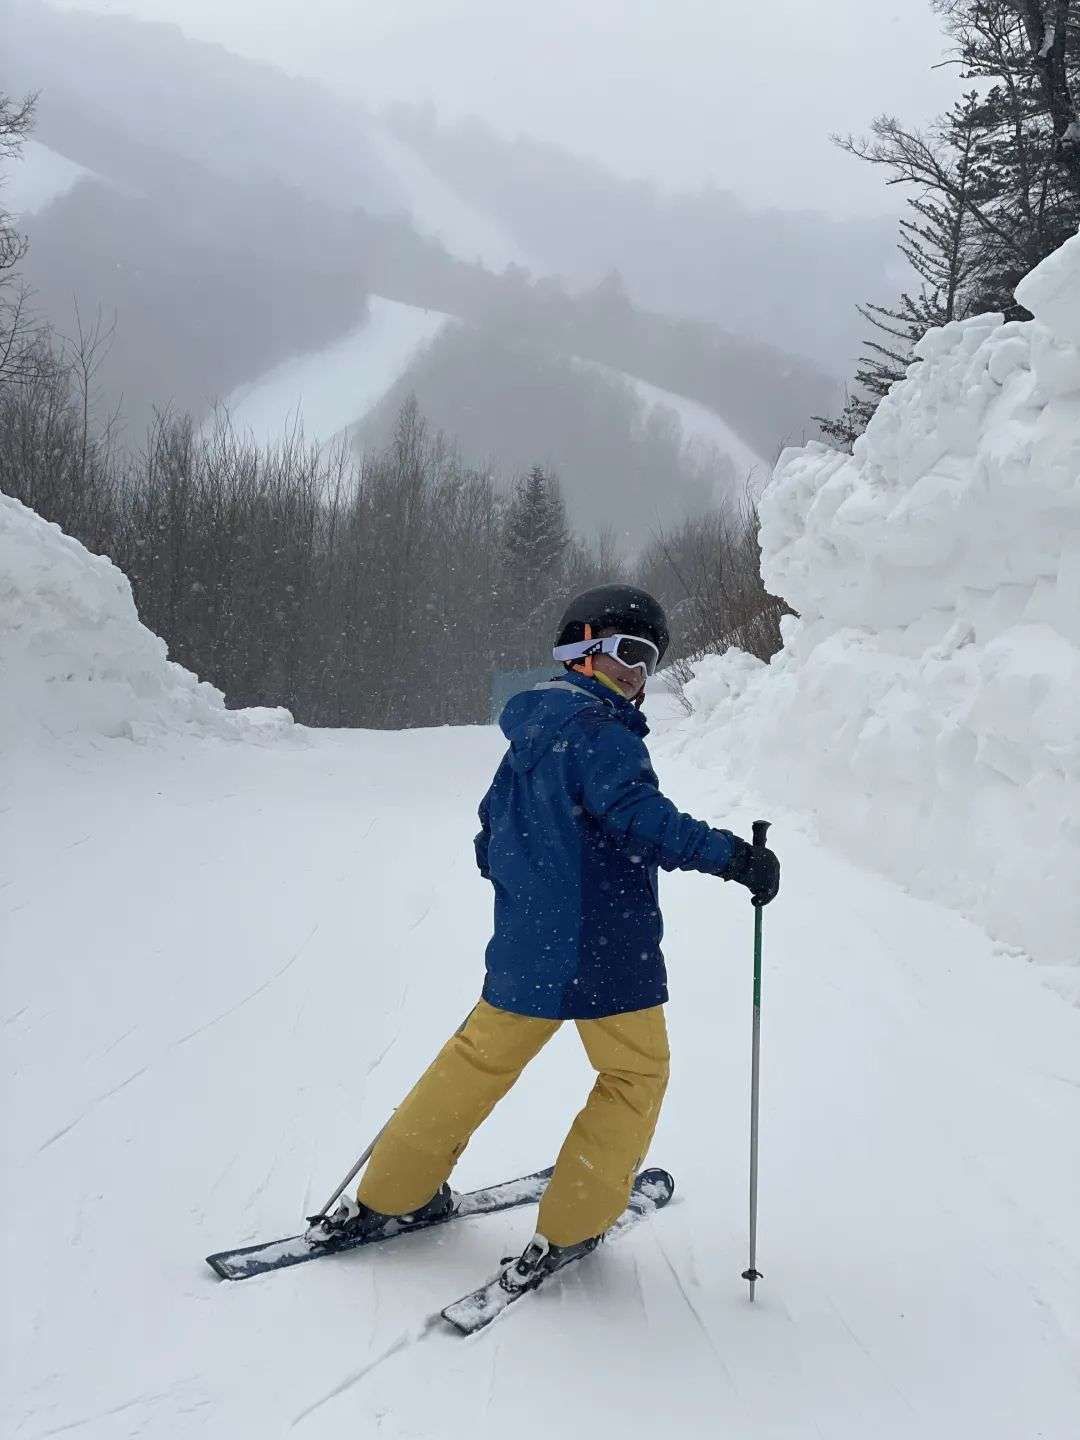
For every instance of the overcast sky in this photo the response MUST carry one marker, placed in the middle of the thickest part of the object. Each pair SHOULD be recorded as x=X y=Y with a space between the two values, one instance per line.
x=680 y=91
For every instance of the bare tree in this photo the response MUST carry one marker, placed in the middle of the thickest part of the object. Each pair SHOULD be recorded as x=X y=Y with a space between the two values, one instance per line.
x=995 y=183
x=935 y=239
x=708 y=575
x=18 y=333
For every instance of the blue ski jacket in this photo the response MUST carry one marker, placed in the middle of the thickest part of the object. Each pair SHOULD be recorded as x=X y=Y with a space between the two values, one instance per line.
x=572 y=831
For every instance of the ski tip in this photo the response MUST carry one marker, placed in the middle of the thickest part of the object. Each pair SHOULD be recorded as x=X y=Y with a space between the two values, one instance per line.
x=656 y=1185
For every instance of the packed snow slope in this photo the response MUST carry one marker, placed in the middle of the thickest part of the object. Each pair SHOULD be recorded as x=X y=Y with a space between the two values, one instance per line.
x=38 y=176
x=229 y=944
x=326 y=391
x=926 y=704
x=708 y=436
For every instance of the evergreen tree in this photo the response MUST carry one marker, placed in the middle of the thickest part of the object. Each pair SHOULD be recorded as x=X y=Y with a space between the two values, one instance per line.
x=936 y=241
x=996 y=183
x=536 y=530
x=1026 y=53
x=536 y=537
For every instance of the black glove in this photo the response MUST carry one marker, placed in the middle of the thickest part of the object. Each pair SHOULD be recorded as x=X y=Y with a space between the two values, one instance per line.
x=756 y=867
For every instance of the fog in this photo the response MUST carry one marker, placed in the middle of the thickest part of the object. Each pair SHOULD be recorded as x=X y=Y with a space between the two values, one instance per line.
x=680 y=91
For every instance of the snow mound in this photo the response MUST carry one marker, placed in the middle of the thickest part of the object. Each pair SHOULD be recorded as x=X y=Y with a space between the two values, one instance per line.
x=926 y=704
x=75 y=658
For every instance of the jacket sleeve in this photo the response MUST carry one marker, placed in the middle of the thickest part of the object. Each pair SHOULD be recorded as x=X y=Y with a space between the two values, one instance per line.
x=480 y=843
x=619 y=788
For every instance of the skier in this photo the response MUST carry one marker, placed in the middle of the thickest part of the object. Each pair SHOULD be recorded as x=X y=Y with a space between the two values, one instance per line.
x=572 y=831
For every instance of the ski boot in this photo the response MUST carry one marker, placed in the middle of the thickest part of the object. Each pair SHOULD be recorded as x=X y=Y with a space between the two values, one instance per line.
x=353 y=1221
x=540 y=1259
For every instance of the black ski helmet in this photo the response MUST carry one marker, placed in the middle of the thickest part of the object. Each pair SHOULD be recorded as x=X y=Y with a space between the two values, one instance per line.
x=615 y=607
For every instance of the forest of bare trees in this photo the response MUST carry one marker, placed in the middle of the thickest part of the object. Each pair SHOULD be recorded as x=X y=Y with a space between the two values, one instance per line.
x=378 y=593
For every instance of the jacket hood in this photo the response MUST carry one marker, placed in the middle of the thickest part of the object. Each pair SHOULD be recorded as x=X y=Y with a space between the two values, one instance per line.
x=533 y=720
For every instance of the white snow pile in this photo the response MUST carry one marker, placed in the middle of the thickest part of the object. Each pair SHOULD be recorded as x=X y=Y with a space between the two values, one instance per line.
x=76 y=660
x=926 y=705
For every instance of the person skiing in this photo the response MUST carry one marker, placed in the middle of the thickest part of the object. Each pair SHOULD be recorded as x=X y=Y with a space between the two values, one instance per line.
x=572 y=832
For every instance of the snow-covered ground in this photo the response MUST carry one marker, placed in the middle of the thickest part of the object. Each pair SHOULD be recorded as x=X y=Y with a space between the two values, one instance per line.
x=226 y=963
x=228 y=948
x=328 y=390
x=229 y=944
x=707 y=435
x=37 y=177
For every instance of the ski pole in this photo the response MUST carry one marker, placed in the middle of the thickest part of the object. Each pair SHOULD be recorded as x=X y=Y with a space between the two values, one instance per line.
x=753 y=1274
x=364 y=1158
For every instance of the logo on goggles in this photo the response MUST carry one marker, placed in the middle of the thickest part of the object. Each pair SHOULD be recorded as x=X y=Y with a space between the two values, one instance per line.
x=630 y=650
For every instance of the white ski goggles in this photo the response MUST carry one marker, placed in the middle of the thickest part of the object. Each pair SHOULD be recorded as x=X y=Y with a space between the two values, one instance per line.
x=629 y=650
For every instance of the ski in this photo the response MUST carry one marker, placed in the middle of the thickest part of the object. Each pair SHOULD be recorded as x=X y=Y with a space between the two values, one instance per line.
x=297 y=1249
x=652 y=1190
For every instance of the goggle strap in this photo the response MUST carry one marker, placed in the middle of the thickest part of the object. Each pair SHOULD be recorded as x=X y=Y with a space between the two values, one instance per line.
x=588 y=666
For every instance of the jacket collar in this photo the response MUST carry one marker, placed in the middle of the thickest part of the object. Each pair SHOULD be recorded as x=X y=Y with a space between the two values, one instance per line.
x=626 y=713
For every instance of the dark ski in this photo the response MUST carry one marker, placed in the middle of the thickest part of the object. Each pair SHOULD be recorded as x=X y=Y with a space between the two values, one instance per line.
x=652 y=1190
x=296 y=1249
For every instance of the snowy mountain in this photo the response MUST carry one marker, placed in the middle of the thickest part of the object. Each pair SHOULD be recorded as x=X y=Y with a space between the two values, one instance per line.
x=241 y=120
x=704 y=431
x=363 y=377
x=274 y=208
x=787 y=277
x=229 y=945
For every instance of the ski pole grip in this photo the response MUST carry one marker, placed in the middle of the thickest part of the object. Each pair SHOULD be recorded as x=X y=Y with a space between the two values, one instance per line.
x=760 y=830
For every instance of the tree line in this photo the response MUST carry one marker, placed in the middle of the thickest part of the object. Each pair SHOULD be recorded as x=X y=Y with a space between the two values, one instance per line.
x=381 y=591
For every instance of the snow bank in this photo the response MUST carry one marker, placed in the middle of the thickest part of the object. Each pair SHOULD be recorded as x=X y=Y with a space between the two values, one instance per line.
x=76 y=660
x=926 y=705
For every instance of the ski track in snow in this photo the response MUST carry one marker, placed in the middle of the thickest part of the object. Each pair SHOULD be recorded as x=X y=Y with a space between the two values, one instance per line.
x=98 y=1100
x=404 y=1342
x=252 y=995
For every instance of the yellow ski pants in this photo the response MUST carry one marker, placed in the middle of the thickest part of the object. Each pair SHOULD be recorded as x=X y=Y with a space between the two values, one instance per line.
x=474 y=1070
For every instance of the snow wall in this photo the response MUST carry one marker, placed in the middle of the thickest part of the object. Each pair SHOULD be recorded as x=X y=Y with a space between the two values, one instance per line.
x=76 y=660
x=926 y=704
